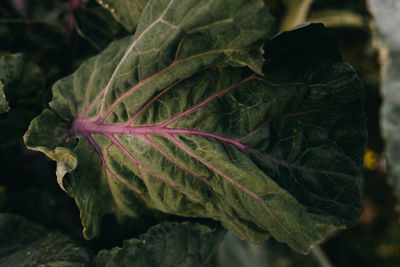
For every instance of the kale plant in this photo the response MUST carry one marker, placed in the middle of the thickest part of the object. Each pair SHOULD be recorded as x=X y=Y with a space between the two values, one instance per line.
x=198 y=114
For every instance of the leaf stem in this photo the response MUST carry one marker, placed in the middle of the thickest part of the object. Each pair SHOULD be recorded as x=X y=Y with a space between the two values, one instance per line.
x=318 y=253
x=296 y=14
x=341 y=19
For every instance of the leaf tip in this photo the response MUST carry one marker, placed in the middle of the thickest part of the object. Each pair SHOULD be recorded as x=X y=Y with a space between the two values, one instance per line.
x=66 y=162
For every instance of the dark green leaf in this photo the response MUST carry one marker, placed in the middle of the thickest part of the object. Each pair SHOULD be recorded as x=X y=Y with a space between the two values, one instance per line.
x=22 y=83
x=97 y=26
x=127 y=12
x=20 y=77
x=163 y=121
x=23 y=243
x=166 y=244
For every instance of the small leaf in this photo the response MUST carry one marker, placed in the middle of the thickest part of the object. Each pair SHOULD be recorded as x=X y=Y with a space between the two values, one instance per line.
x=127 y=12
x=23 y=243
x=166 y=244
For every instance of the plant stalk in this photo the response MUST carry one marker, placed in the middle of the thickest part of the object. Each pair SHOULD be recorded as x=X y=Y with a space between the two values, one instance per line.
x=297 y=11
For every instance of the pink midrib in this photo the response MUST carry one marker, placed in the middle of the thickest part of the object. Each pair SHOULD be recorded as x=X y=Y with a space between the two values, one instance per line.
x=86 y=127
x=89 y=126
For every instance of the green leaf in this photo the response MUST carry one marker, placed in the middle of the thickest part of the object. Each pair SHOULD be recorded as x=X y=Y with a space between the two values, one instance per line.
x=20 y=77
x=166 y=244
x=180 y=52
x=23 y=243
x=164 y=121
x=127 y=12
x=22 y=84
x=4 y=107
x=390 y=116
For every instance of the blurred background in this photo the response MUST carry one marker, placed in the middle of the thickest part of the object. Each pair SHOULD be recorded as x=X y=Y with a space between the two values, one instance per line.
x=58 y=35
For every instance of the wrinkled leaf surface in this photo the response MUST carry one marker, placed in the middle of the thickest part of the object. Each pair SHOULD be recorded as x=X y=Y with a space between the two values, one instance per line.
x=171 y=119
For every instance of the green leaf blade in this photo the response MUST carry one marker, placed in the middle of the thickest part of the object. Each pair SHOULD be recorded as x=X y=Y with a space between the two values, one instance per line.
x=139 y=56
x=164 y=124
